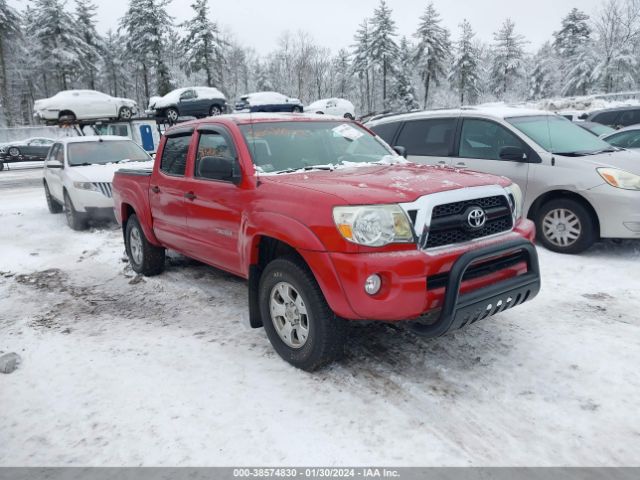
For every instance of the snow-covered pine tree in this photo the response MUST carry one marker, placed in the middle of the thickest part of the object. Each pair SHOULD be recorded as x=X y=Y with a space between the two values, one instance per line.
x=9 y=32
x=263 y=84
x=146 y=25
x=361 y=63
x=382 y=47
x=114 y=71
x=432 y=51
x=541 y=79
x=580 y=71
x=573 y=35
x=202 y=45
x=93 y=47
x=342 y=80
x=59 y=47
x=464 y=75
x=403 y=95
x=508 y=59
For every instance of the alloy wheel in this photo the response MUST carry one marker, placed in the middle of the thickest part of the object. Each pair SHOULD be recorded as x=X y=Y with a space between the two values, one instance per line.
x=289 y=315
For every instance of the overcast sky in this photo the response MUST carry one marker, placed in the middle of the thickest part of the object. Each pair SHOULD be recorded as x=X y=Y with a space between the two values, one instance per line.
x=259 y=23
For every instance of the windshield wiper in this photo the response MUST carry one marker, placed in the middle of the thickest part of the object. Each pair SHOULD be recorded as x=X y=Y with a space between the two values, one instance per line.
x=310 y=167
x=84 y=164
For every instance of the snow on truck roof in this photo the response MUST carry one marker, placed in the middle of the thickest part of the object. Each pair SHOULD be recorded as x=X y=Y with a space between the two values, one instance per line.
x=494 y=111
x=244 y=118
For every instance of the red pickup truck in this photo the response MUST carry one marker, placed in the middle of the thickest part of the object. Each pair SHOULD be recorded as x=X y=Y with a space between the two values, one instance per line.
x=329 y=224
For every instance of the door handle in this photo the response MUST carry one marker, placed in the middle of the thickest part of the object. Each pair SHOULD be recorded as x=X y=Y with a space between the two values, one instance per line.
x=442 y=162
x=461 y=165
x=190 y=196
x=155 y=189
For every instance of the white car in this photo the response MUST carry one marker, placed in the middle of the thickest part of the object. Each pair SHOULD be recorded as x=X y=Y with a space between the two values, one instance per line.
x=333 y=106
x=72 y=105
x=78 y=174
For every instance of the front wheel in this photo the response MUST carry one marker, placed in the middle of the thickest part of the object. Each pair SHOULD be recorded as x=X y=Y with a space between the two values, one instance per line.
x=348 y=116
x=215 y=110
x=144 y=257
x=125 y=113
x=565 y=226
x=298 y=321
x=14 y=152
x=75 y=220
x=172 y=115
x=52 y=204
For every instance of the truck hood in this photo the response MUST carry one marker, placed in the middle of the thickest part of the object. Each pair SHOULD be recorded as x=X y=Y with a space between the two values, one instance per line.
x=371 y=184
x=103 y=173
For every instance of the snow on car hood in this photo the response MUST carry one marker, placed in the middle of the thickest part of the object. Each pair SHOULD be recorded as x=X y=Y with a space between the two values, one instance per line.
x=628 y=160
x=370 y=183
x=269 y=98
x=103 y=173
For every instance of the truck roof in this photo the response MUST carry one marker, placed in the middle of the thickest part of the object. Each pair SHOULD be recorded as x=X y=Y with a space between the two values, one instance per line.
x=90 y=138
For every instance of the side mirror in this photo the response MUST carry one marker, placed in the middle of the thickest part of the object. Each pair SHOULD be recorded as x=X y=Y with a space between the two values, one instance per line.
x=218 y=168
x=54 y=164
x=400 y=151
x=514 y=154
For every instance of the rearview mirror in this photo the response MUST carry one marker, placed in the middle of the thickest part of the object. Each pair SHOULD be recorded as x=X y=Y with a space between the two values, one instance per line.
x=514 y=154
x=400 y=151
x=218 y=168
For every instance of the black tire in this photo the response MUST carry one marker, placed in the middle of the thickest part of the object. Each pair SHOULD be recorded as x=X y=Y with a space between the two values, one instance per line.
x=67 y=117
x=151 y=261
x=125 y=113
x=215 y=110
x=54 y=206
x=1 y=166
x=586 y=226
x=76 y=220
x=326 y=332
x=13 y=151
x=172 y=115
x=319 y=113
x=297 y=110
x=348 y=116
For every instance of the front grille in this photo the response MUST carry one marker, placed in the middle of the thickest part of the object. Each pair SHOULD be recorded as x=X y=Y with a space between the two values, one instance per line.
x=104 y=188
x=449 y=223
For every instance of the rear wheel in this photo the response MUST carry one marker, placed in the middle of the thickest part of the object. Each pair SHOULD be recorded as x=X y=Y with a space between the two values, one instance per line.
x=125 y=113
x=297 y=110
x=76 y=220
x=215 y=110
x=67 y=117
x=565 y=226
x=54 y=206
x=298 y=321
x=144 y=257
x=172 y=115
x=348 y=116
x=14 y=152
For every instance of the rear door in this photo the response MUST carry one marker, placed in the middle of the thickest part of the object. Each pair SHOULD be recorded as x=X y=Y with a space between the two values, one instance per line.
x=429 y=140
x=214 y=206
x=53 y=176
x=168 y=188
x=479 y=147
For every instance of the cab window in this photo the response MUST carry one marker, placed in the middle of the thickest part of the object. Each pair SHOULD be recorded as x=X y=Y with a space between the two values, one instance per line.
x=174 y=154
x=484 y=139
x=430 y=137
x=213 y=144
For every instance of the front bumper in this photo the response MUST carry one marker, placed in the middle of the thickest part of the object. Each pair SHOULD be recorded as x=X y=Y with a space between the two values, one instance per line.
x=618 y=211
x=416 y=282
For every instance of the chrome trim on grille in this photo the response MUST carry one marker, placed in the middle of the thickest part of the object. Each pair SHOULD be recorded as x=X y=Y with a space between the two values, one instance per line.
x=424 y=206
x=104 y=188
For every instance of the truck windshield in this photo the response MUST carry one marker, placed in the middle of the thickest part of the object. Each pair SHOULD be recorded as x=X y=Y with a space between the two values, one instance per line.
x=108 y=151
x=560 y=136
x=289 y=146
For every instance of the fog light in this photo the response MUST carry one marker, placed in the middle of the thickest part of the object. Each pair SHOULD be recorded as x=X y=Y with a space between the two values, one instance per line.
x=372 y=284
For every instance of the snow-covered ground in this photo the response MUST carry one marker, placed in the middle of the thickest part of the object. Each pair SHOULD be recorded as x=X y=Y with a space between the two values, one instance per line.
x=119 y=370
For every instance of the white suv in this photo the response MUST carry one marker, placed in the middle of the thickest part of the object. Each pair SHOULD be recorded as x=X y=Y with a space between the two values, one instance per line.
x=577 y=188
x=78 y=173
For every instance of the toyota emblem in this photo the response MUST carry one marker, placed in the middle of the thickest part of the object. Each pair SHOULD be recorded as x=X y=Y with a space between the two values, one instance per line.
x=476 y=218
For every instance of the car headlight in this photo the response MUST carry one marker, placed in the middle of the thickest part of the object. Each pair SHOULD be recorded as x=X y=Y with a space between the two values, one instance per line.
x=516 y=200
x=373 y=225
x=620 y=178
x=85 y=186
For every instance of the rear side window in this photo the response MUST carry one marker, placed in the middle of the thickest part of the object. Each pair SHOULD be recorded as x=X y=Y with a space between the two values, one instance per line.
x=174 y=154
x=484 y=139
x=606 y=118
x=629 y=117
x=630 y=139
x=386 y=131
x=431 y=138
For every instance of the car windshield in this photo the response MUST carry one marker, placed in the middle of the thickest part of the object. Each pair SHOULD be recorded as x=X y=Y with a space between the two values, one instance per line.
x=105 y=151
x=560 y=136
x=290 y=146
x=601 y=129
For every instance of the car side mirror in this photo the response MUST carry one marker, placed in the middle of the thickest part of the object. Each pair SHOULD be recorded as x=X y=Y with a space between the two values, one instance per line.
x=402 y=151
x=54 y=164
x=219 y=168
x=514 y=154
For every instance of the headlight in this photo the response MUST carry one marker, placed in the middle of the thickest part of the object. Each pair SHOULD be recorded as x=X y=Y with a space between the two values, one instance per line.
x=620 y=178
x=373 y=225
x=85 y=186
x=516 y=200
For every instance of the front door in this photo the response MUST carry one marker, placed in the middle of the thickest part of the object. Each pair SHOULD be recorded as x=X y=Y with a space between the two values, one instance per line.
x=214 y=207
x=167 y=190
x=481 y=142
x=188 y=103
x=428 y=141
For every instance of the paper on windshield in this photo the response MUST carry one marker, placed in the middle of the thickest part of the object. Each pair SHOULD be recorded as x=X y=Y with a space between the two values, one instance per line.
x=347 y=131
